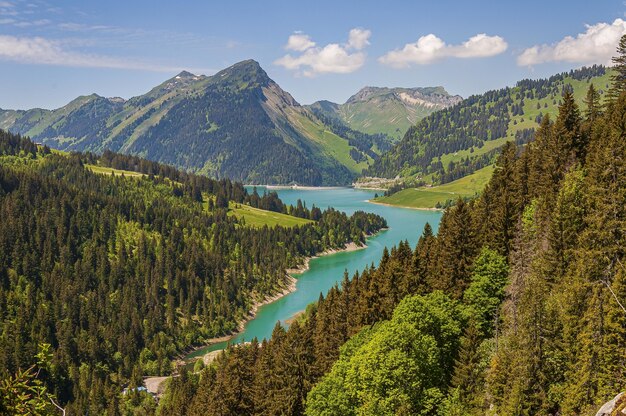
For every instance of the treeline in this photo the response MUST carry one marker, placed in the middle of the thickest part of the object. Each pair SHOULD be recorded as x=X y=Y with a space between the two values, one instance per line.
x=14 y=144
x=119 y=275
x=470 y=124
x=464 y=167
x=475 y=120
x=541 y=88
x=515 y=307
x=363 y=142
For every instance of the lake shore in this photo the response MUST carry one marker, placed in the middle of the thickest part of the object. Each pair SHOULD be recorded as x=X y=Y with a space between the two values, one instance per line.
x=289 y=287
x=304 y=188
x=371 y=201
x=299 y=187
x=369 y=188
x=305 y=265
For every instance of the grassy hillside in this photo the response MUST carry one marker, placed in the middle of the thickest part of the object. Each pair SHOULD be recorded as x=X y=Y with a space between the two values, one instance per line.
x=110 y=171
x=436 y=196
x=329 y=143
x=256 y=217
x=388 y=111
x=454 y=142
x=390 y=117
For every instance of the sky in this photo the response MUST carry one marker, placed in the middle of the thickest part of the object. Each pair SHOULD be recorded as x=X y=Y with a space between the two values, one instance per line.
x=53 y=51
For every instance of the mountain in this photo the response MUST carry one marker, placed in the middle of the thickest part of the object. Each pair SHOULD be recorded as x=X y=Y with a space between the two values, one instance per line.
x=237 y=124
x=457 y=141
x=390 y=111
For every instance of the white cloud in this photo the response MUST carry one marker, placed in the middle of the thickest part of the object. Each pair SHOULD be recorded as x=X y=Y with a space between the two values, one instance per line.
x=299 y=42
x=596 y=45
x=43 y=51
x=78 y=27
x=26 y=23
x=430 y=48
x=359 y=38
x=333 y=58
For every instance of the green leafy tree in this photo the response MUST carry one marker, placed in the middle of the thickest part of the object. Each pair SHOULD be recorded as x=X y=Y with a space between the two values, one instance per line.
x=486 y=290
x=24 y=393
x=399 y=367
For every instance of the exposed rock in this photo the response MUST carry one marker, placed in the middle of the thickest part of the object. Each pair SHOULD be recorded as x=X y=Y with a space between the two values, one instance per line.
x=608 y=407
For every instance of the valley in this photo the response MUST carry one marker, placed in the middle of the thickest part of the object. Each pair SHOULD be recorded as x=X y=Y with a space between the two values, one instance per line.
x=436 y=226
x=325 y=271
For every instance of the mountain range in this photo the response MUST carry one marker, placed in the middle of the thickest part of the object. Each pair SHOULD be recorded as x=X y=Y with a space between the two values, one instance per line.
x=390 y=111
x=236 y=124
x=454 y=142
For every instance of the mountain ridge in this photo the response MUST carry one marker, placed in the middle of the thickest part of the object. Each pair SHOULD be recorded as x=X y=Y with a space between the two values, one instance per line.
x=456 y=141
x=237 y=123
x=388 y=110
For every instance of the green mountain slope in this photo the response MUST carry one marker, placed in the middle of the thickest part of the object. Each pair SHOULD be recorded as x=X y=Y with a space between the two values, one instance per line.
x=141 y=262
x=454 y=142
x=390 y=111
x=237 y=124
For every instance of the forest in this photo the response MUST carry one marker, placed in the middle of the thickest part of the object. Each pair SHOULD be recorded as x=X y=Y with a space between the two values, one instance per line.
x=468 y=125
x=105 y=279
x=514 y=308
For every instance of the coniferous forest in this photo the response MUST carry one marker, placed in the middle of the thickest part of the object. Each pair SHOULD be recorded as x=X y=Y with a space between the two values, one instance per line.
x=515 y=307
x=114 y=267
x=116 y=275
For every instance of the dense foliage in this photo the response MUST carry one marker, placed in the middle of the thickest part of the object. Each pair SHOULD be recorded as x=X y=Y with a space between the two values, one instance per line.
x=120 y=274
x=514 y=308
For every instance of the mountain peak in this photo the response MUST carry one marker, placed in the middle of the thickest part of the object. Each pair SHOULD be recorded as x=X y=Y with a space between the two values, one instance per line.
x=248 y=64
x=367 y=93
x=244 y=73
x=185 y=74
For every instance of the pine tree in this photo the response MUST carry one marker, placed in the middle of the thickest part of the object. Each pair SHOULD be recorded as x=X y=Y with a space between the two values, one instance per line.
x=500 y=207
x=457 y=246
x=469 y=374
x=568 y=127
x=619 y=66
x=592 y=101
x=567 y=222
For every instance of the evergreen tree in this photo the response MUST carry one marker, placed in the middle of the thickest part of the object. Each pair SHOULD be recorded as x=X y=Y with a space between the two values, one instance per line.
x=592 y=101
x=619 y=66
x=456 y=249
x=469 y=372
x=568 y=127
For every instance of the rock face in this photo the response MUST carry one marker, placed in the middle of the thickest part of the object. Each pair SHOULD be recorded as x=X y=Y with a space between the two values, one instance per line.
x=434 y=97
x=390 y=111
x=609 y=407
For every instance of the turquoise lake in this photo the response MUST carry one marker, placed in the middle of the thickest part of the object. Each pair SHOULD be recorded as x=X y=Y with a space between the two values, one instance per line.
x=324 y=272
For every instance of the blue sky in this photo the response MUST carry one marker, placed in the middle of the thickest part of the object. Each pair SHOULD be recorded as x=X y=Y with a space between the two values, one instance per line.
x=51 y=52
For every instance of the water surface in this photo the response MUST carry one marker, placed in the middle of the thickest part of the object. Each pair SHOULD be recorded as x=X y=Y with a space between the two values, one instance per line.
x=324 y=272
